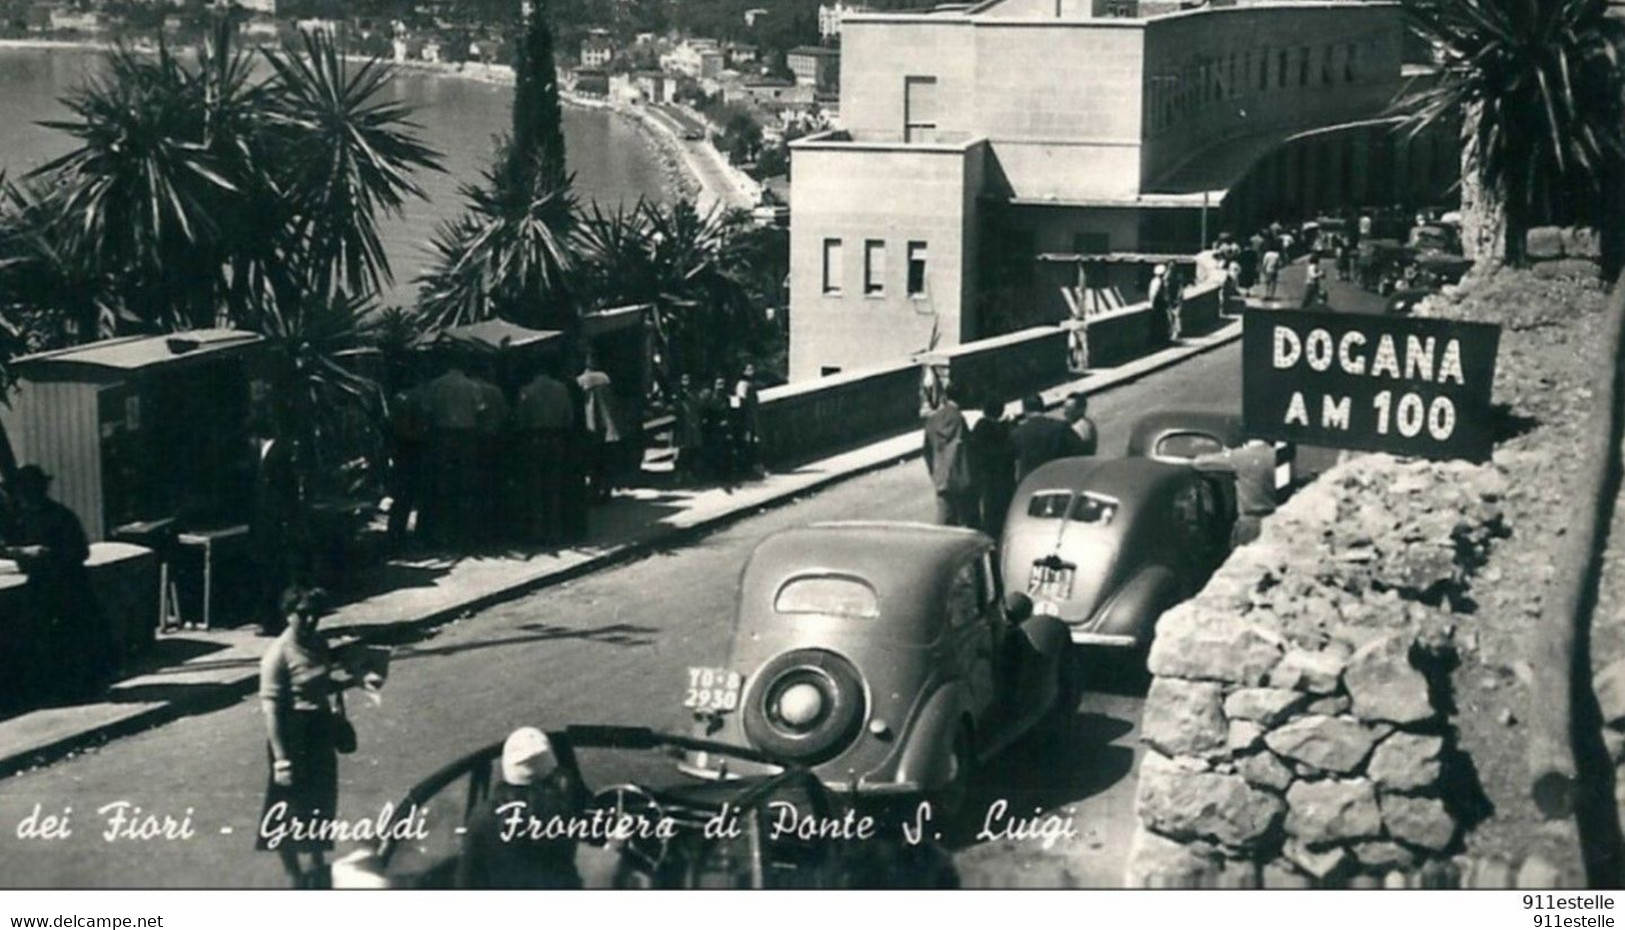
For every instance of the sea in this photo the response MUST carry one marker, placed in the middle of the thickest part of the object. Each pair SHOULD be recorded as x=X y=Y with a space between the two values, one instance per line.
x=459 y=117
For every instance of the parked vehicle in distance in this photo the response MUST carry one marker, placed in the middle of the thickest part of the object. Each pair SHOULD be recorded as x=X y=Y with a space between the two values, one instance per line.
x=1107 y=545
x=694 y=135
x=601 y=758
x=881 y=657
x=1403 y=303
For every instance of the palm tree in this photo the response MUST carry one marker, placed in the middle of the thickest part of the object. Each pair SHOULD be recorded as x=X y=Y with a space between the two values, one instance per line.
x=143 y=189
x=343 y=152
x=510 y=256
x=1537 y=84
x=686 y=266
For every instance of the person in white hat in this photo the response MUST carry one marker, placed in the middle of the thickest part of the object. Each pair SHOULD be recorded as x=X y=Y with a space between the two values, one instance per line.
x=537 y=791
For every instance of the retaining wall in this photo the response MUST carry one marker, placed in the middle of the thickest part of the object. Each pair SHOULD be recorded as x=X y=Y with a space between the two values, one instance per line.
x=1298 y=724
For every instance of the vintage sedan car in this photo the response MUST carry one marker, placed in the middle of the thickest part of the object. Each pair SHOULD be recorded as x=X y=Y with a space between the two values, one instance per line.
x=625 y=846
x=881 y=657
x=1107 y=545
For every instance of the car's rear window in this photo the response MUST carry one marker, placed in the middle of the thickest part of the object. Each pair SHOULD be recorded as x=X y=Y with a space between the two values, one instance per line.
x=1091 y=508
x=1186 y=446
x=1049 y=505
x=830 y=595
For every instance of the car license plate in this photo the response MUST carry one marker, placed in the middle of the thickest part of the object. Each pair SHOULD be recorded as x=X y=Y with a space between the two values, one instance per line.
x=1050 y=582
x=712 y=690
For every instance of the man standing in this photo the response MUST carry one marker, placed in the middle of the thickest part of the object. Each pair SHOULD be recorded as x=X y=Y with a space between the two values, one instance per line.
x=992 y=468
x=1077 y=416
x=464 y=414
x=543 y=419
x=1039 y=439
x=274 y=525
x=604 y=430
x=1314 y=284
x=1270 y=267
x=746 y=403
x=948 y=463
x=68 y=648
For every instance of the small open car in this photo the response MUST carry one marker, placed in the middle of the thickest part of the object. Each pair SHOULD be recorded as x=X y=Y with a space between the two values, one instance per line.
x=749 y=842
x=1108 y=545
x=879 y=656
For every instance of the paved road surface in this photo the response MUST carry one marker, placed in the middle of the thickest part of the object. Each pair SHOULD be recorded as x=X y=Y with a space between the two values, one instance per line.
x=609 y=648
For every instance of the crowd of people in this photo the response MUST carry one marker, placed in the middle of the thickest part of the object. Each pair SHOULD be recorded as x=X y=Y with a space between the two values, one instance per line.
x=975 y=471
x=716 y=430
x=476 y=464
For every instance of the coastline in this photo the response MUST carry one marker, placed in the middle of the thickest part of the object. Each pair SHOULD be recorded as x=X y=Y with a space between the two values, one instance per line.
x=679 y=180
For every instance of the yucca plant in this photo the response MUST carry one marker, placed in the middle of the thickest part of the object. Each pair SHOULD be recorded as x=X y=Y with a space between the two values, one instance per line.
x=1536 y=84
x=509 y=255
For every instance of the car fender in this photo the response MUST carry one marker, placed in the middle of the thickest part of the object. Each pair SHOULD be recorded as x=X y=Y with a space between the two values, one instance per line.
x=1047 y=635
x=927 y=756
x=1135 y=607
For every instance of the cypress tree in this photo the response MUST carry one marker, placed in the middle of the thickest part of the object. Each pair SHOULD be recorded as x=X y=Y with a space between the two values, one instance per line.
x=537 y=143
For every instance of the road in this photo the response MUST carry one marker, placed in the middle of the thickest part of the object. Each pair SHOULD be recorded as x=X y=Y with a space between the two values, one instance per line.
x=717 y=187
x=609 y=648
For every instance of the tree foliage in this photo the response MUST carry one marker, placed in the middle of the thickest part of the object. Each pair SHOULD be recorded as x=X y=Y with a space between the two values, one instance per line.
x=537 y=141
x=1538 y=83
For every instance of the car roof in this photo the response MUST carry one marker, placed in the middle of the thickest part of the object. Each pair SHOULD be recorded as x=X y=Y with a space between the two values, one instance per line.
x=858 y=547
x=1128 y=480
x=1222 y=422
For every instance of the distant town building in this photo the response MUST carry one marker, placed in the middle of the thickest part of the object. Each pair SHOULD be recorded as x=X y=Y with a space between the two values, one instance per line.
x=597 y=50
x=983 y=149
x=815 y=66
x=591 y=82
x=735 y=54
x=700 y=59
x=72 y=21
x=829 y=18
x=329 y=26
x=656 y=87
x=264 y=7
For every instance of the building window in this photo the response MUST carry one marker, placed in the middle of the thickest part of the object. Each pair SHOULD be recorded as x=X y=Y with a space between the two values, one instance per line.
x=1326 y=66
x=919 y=109
x=1263 y=69
x=1303 y=66
x=874 y=267
x=916 y=269
x=1233 y=87
x=834 y=265
x=824 y=371
x=1348 y=64
x=1280 y=69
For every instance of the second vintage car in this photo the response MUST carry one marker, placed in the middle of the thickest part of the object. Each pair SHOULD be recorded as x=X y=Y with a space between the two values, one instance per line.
x=1107 y=545
x=882 y=657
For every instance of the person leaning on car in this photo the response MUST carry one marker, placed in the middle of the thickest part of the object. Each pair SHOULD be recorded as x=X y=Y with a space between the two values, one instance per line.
x=534 y=791
x=1254 y=466
x=1040 y=439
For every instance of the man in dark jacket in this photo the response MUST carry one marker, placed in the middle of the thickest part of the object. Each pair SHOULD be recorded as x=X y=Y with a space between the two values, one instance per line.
x=543 y=418
x=993 y=468
x=949 y=463
x=1039 y=439
x=68 y=646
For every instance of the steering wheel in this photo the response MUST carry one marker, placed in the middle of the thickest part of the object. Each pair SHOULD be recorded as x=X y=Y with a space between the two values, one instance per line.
x=633 y=805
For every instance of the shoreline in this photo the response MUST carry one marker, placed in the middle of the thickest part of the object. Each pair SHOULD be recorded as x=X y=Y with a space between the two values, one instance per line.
x=678 y=178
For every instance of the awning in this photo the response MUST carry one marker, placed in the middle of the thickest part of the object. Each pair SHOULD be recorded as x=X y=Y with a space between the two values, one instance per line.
x=491 y=336
x=133 y=353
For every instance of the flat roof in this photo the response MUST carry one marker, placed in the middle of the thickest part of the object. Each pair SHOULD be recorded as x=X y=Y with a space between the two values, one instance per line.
x=132 y=353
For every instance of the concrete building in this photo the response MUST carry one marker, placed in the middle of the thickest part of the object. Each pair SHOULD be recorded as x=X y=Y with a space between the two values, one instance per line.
x=701 y=59
x=74 y=21
x=830 y=15
x=977 y=140
x=597 y=51
x=815 y=66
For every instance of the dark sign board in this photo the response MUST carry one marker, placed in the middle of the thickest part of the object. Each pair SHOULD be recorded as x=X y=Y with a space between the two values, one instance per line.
x=1404 y=385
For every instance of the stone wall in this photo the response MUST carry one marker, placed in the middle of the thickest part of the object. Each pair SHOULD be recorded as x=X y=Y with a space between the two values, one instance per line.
x=1299 y=722
x=825 y=414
